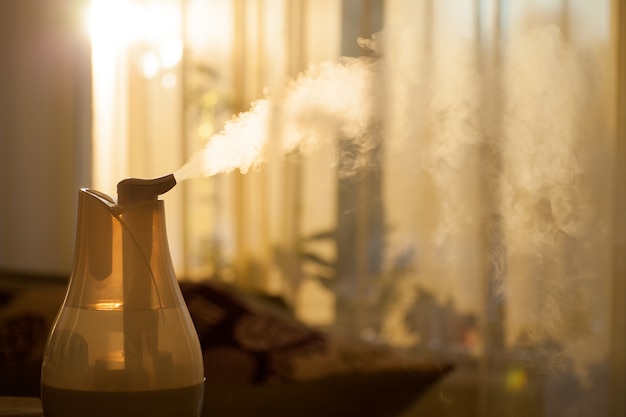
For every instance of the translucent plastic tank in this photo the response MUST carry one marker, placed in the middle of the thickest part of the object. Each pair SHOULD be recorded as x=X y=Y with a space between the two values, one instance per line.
x=123 y=343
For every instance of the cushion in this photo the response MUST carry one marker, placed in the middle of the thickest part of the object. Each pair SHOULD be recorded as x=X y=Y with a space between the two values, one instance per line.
x=260 y=361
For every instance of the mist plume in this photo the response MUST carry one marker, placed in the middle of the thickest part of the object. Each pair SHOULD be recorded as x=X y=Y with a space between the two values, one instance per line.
x=328 y=100
x=546 y=144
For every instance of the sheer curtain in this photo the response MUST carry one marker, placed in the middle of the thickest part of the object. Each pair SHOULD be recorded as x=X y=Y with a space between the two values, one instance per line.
x=501 y=153
x=445 y=178
x=505 y=131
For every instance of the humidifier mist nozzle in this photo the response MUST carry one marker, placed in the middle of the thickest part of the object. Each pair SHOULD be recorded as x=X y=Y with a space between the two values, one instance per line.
x=136 y=190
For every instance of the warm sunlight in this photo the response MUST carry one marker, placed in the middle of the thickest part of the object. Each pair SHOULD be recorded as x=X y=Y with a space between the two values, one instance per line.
x=117 y=22
x=127 y=34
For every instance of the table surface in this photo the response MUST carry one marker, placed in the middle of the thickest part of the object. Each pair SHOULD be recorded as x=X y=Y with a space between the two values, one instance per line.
x=20 y=407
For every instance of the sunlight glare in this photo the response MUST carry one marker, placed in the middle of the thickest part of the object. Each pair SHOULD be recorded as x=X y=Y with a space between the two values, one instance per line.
x=117 y=24
x=113 y=22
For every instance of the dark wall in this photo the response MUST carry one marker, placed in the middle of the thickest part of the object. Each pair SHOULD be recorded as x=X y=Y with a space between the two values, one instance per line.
x=45 y=130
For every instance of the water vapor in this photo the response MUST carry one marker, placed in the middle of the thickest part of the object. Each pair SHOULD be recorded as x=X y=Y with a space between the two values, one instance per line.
x=515 y=153
x=328 y=101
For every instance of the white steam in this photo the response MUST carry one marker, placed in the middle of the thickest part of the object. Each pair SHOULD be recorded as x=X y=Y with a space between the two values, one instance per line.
x=553 y=217
x=530 y=173
x=329 y=100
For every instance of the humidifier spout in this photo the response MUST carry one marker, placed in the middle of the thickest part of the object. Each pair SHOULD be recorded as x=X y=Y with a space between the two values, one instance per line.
x=136 y=190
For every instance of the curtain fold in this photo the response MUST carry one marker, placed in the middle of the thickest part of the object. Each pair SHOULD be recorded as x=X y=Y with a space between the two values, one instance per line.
x=506 y=120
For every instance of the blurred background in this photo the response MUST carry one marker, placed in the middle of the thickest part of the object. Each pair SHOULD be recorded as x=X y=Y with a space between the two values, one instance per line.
x=487 y=225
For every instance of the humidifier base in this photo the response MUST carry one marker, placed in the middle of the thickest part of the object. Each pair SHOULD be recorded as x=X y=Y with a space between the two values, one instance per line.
x=180 y=402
